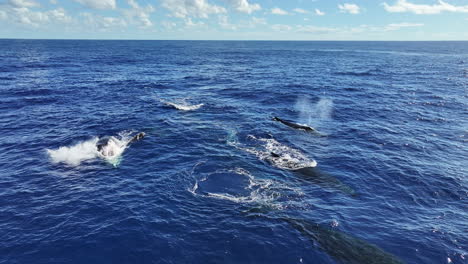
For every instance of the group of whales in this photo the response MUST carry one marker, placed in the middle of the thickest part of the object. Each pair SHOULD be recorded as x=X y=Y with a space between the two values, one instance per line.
x=340 y=246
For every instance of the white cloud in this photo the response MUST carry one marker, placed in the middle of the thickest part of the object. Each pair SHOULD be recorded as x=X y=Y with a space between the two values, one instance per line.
x=316 y=30
x=349 y=8
x=397 y=26
x=103 y=23
x=21 y=12
x=23 y=3
x=258 y=21
x=54 y=2
x=192 y=8
x=300 y=11
x=278 y=11
x=133 y=4
x=279 y=27
x=404 y=6
x=3 y=15
x=244 y=6
x=59 y=15
x=27 y=17
x=190 y=23
x=252 y=23
x=98 y=4
x=224 y=23
x=140 y=15
x=169 y=25
x=319 y=13
x=355 y=30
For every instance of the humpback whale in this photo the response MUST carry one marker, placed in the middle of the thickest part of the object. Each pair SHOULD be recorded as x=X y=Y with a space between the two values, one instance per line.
x=325 y=180
x=110 y=146
x=294 y=125
x=342 y=247
x=312 y=174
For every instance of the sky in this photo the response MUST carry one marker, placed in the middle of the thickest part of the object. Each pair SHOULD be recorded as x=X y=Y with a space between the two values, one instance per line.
x=235 y=19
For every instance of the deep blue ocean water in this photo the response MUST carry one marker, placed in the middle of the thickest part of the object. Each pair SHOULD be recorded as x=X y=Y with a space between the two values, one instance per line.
x=205 y=185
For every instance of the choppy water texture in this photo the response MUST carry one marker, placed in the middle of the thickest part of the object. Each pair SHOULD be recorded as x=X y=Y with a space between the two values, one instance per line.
x=216 y=180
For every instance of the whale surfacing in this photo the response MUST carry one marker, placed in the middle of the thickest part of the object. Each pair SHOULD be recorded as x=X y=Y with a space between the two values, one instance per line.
x=110 y=147
x=294 y=125
x=184 y=106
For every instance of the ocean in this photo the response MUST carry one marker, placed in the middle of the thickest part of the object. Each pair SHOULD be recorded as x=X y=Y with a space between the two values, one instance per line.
x=380 y=176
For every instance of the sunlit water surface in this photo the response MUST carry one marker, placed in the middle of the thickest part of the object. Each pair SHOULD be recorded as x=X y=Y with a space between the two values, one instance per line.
x=216 y=180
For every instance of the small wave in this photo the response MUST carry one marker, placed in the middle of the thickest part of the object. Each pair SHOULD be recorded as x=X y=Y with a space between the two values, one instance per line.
x=281 y=156
x=86 y=150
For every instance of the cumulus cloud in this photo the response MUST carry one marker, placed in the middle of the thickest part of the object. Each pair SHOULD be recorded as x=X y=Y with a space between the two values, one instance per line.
x=300 y=11
x=98 y=4
x=59 y=15
x=190 y=23
x=23 y=3
x=349 y=8
x=278 y=11
x=404 y=6
x=27 y=17
x=139 y=14
x=102 y=23
x=397 y=26
x=244 y=6
x=169 y=25
x=192 y=8
x=224 y=23
x=319 y=13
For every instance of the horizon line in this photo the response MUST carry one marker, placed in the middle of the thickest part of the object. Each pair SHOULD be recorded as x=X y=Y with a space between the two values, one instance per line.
x=271 y=40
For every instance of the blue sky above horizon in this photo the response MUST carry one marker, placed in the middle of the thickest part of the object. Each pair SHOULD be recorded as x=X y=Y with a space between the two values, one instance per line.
x=236 y=19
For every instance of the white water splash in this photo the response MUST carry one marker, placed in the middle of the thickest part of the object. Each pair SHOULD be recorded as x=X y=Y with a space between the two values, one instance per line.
x=279 y=155
x=87 y=150
x=182 y=105
x=261 y=191
x=75 y=154
x=312 y=113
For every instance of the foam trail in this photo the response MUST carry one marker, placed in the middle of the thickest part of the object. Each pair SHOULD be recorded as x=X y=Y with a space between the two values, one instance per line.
x=75 y=154
x=260 y=191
